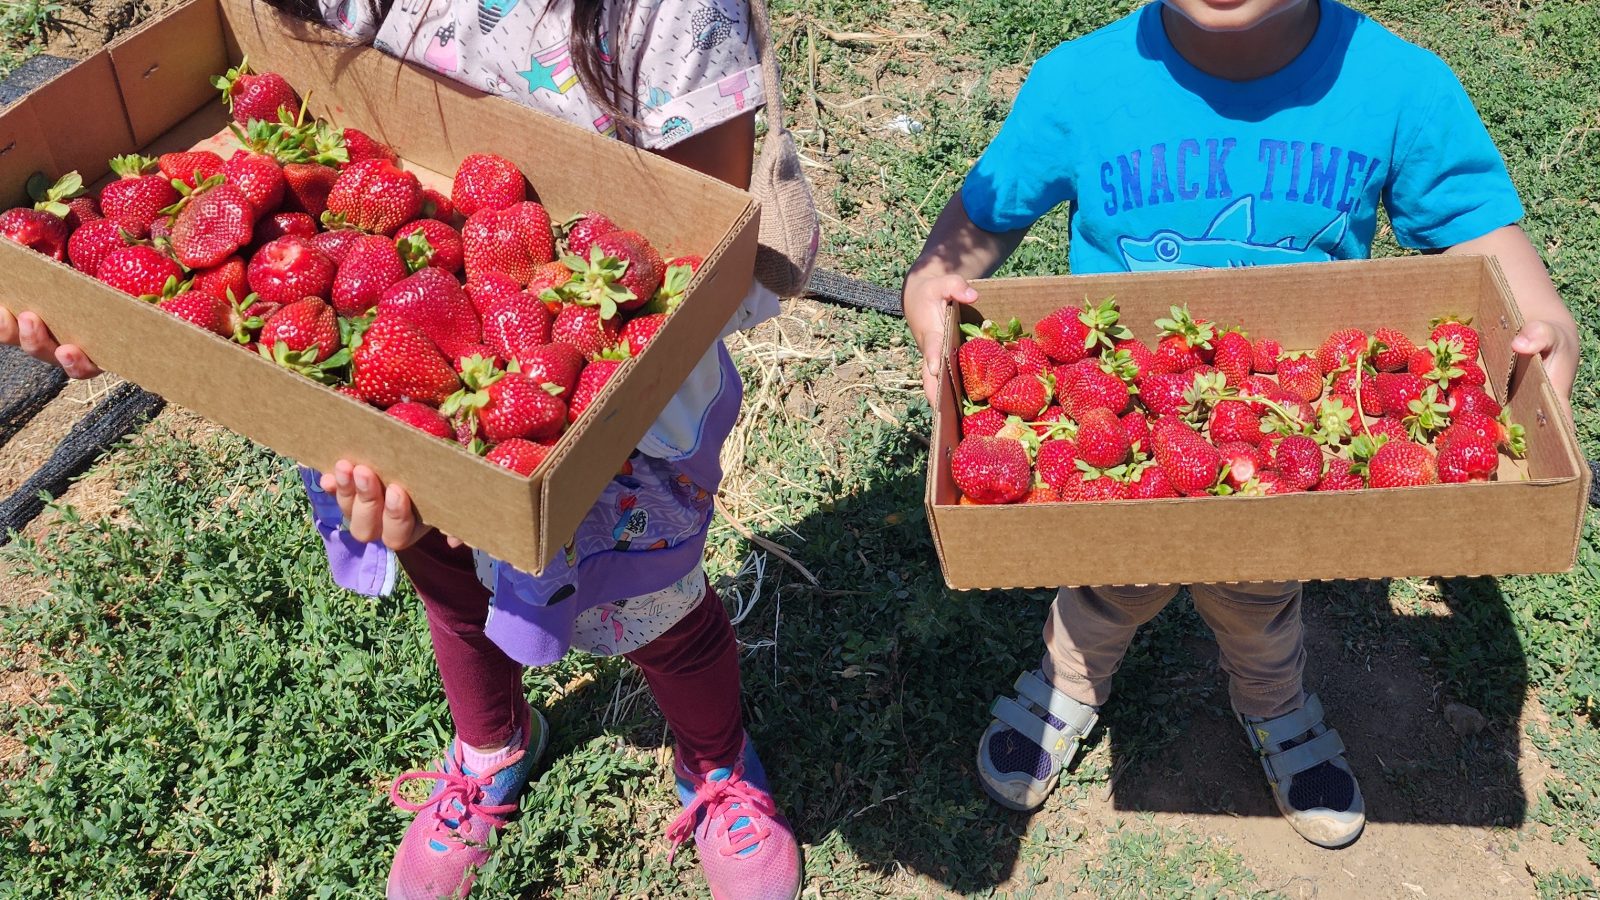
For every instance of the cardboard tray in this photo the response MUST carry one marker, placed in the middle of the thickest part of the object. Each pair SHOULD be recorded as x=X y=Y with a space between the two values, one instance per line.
x=1495 y=528
x=151 y=90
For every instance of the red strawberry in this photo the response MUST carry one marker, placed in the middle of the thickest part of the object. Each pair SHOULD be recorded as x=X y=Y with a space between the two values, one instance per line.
x=1162 y=392
x=1401 y=463
x=337 y=244
x=986 y=367
x=1301 y=415
x=1148 y=481
x=92 y=243
x=139 y=271
x=638 y=333
x=1449 y=329
x=485 y=288
x=375 y=196
x=203 y=311
x=1029 y=356
x=307 y=186
x=1058 y=465
x=275 y=226
x=395 y=361
x=985 y=421
x=1421 y=362
x=1063 y=336
x=506 y=405
x=1394 y=350
x=1131 y=360
x=516 y=325
x=290 y=269
x=303 y=337
x=520 y=456
x=65 y=199
x=1301 y=376
x=1024 y=395
x=359 y=146
x=36 y=230
x=1042 y=493
x=434 y=301
x=1095 y=388
x=1299 y=460
x=1269 y=483
x=1471 y=375
x=1388 y=427
x=260 y=178
x=136 y=198
x=556 y=364
x=1244 y=462
x=1258 y=385
x=486 y=181
x=190 y=166
x=424 y=418
x=1396 y=391
x=1264 y=353
x=1101 y=441
x=1191 y=464
x=991 y=470
x=583 y=329
x=1050 y=423
x=430 y=242
x=584 y=229
x=1234 y=356
x=1339 y=477
x=641 y=266
x=437 y=206
x=214 y=222
x=1463 y=398
x=591 y=381
x=1137 y=427
x=1469 y=456
x=371 y=266
x=266 y=96
x=548 y=281
x=1342 y=348
x=514 y=241
x=1233 y=421
x=1471 y=424
x=1185 y=342
x=1344 y=384
x=1100 y=489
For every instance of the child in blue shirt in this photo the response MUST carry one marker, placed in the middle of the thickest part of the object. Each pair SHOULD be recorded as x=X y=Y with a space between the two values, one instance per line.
x=1211 y=133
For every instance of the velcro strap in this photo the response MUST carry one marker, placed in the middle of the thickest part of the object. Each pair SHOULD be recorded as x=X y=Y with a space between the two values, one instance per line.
x=1287 y=727
x=1027 y=723
x=1286 y=764
x=1079 y=717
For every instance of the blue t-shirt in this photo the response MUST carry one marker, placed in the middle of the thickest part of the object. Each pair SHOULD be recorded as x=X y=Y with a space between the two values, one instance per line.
x=1166 y=167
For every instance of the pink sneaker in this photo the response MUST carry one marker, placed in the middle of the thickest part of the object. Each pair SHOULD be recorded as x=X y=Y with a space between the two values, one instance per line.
x=448 y=841
x=746 y=848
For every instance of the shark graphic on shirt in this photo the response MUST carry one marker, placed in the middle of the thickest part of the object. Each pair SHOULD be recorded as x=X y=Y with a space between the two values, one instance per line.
x=1228 y=242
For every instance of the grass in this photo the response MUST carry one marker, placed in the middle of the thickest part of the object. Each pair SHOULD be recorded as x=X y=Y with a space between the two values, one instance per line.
x=226 y=723
x=24 y=26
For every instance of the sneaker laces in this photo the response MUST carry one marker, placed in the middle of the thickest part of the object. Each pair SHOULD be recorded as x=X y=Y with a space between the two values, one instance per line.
x=459 y=792
x=739 y=806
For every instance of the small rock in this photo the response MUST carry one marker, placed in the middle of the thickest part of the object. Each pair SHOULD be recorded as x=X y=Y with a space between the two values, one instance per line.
x=1463 y=719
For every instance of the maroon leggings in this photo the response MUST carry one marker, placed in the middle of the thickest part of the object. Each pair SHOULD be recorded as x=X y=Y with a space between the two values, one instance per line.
x=693 y=669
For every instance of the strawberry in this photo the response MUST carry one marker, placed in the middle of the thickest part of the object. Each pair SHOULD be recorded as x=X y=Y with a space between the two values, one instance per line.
x=520 y=456
x=486 y=181
x=65 y=199
x=506 y=405
x=139 y=271
x=642 y=266
x=1264 y=353
x=260 y=178
x=1400 y=463
x=549 y=279
x=375 y=196
x=516 y=325
x=1185 y=342
x=558 y=365
x=1395 y=391
x=1042 y=493
x=1243 y=462
x=1094 y=388
x=1342 y=348
x=1024 y=395
x=991 y=470
x=1468 y=456
x=1298 y=460
x=1463 y=398
x=1389 y=427
x=640 y=331
x=985 y=421
x=1028 y=355
x=437 y=206
x=1163 y=392
x=1070 y=334
x=1234 y=356
x=303 y=336
x=371 y=266
x=1497 y=429
x=986 y=367
x=359 y=146
x=1053 y=422
x=136 y=198
x=1339 y=477
x=190 y=166
x=394 y=361
x=1285 y=413
x=1450 y=329
x=582 y=328
x=289 y=269
x=424 y=418
x=1148 y=481
x=203 y=311
x=1100 y=488
x=485 y=288
x=92 y=243
x=338 y=243
x=674 y=285
x=306 y=187
x=1129 y=360
x=1258 y=385
x=1420 y=362
x=1269 y=483
x=1057 y=461
x=1101 y=441
x=513 y=241
x=1344 y=384
x=1301 y=376
x=1394 y=350
x=1471 y=375
x=1335 y=420
x=592 y=380
x=270 y=228
x=1235 y=422
x=434 y=301
x=36 y=230
x=213 y=223
x=430 y=242
x=1191 y=464
x=1137 y=428
x=582 y=231
x=1428 y=415
x=248 y=96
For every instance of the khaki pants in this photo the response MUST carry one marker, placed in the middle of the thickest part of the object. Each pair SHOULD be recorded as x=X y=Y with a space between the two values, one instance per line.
x=1260 y=639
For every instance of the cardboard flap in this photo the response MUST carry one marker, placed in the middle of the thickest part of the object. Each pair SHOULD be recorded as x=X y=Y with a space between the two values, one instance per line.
x=81 y=117
x=23 y=152
x=164 y=69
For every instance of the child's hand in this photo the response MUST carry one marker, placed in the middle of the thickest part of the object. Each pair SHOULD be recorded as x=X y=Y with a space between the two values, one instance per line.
x=373 y=511
x=1549 y=340
x=924 y=299
x=29 y=332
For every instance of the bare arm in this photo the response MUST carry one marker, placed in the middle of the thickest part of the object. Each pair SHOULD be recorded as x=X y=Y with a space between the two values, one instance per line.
x=1549 y=329
x=955 y=252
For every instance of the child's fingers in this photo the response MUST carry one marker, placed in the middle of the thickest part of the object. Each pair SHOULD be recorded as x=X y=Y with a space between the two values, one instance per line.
x=400 y=525
x=344 y=487
x=366 y=516
x=956 y=288
x=1536 y=337
x=75 y=362
x=36 y=340
x=8 y=328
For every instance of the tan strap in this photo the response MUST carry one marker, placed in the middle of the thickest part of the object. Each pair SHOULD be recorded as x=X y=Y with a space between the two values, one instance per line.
x=770 y=84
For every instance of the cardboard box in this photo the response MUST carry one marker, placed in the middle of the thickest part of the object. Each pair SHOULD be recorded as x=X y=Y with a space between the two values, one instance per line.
x=1529 y=522
x=151 y=90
